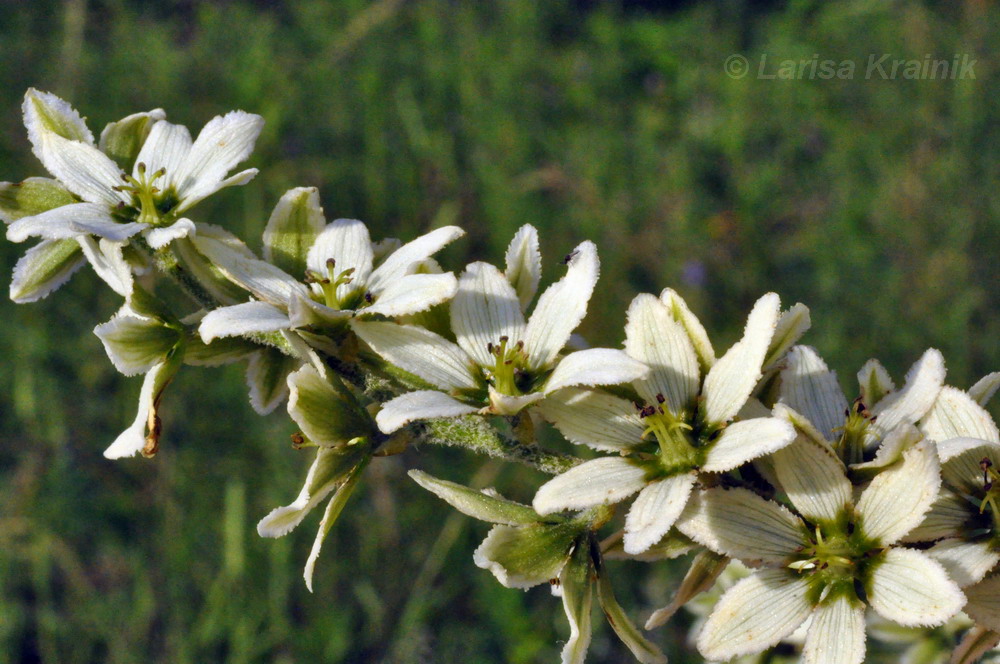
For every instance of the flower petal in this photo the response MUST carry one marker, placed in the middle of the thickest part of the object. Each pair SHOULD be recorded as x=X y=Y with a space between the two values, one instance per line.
x=642 y=649
x=413 y=293
x=595 y=366
x=60 y=223
x=505 y=404
x=836 y=634
x=740 y=524
x=484 y=311
x=745 y=440
x=267 y=378
x=403 y=260
x=699 y=338
x=477 y=504
x=224 y=142
x=124 y=139
x=109 y=263
x=330 y=514
x=655 y=510
x=262 y=279
x=292 y=229
x=755 y=614
x=732 y=379
x=524 y=264
x=525 y=556
x=875 y=382
x=947 y=517
x=241 y=320
x=898 y=498
x=923 y=383
x=45 y=113
x=810 y=388
x=984 y=602
x=577 y=596
x=421 y=352
x=561 y=307
x=420 y=405
x=791 y=325
x=31 y=197
x=985 y=388
x=955 y=414
x=701 y=575
x=654 y=338
x=590 y=417
x=133 y=439
x=598 y=482
x=347 y=243
x=85 y=170
x=44 y=268
x=136 y=343
x=161 y=237
x=325 y=409
x=166 y=148
x=909 y=588
x=960 y=462
x=966 y=562
x=813 y=478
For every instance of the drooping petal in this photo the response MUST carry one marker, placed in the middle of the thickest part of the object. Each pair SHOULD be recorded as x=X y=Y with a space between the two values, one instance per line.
x=909 y=588
x=134 y=439
x=44 y=268
x=330 y=514
x=699 y=338
x=577 y=596
x=224 y=142
x=347 y=243
x=836 y=634
x=477 y=504
x=414 y=293
x=814 y=479
x=166 y=148
x=733 y=377
x=745 y=440
x=810 y=388
x=561 y=307
x=740 y=524
x=264 y=280
x=965 y=562
x=590 y=417
x=267 y=378
x=955 y=414
x=421 y=352
x=985 y=388
x=524 y=264
x=136 y=343
x=601 y=481
x=595 y=366
x=45 y=113
x=421 y=405
x=109 y=263
x=701 y=575
x=875 y=382
x=241 y=320
x=484 y=311
x=655 y=510
x=642 y=649
x=124 y=139
x=923 y=383
x=984 y=602
x=653 y=337
x=755 y=614
x=960 y=462
x=791 y=325
x=403 y=260
x=525 y=556
x=898 y=498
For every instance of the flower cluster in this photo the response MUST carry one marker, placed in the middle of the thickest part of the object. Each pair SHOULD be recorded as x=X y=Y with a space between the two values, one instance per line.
x=825 y=517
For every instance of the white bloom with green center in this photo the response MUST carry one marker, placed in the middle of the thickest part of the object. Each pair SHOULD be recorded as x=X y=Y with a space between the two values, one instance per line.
x=814 y=560
x=685 y=425
x=337 y=273
x=169 y=175
x=500 y=363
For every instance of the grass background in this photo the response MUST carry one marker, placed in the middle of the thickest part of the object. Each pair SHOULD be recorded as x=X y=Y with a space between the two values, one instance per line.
x=874 y=202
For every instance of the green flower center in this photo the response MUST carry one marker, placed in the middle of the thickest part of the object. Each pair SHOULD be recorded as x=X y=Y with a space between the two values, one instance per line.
x=328 y=284
x=673 y=435
x=150 y=204
x=836 y=558
x=509 y=373
x=991 y=493
x=851 y=445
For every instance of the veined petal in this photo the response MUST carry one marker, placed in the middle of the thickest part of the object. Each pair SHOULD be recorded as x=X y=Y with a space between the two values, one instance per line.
x=259 y=277
x=595 y=366
x=740 y=524
x=561 y=307
x=133 y=439
x=413 y=293
x=58 y=223
x=44 y=268
x=267 y=378
x=836 y=634
x=598 y=482
x=292 y=229
x=814 y=479
x=875 y=382
x=891 y=450
x=241 y=320
x=505 y=404
x=960 y=462
x=701 y=575
x=402 y=260
x=161 y=237
x=911 y=403
x=421 y=352
x=166 y=148
x=485 y=309
x=224 y=142
x=109 y=263
x=909 y=588
x=745 y=440
x=577 y=596
x=325 y=410
x=955 y=414
x=732 y=379
x=135 y=343
x=898 y=498
x=642 y=649
x=810 y=388
x=304 y=311
x=946 y=518
x=347 y=243
x=477 y=504
x=123 y=140
x=525 y=556
x=653 y=337
x=966 y=562
x=696 y=332
x=45 y=113
x=524 y=264
x=420 y=405
x=791 y=325
x=755 y=614
x=655 y=510
x=85 y=170
x=31 y=197
x=330 y=514
x=590 y=417
x=984 y=602
x=985 y=388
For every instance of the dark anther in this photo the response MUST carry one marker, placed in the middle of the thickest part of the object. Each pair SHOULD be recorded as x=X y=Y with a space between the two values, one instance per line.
x=519 y=345
x=141 y=166
x=507 y=363
x=504 y=339
x=660 y=398
x=125 y=177
x=985 y=463
x=847 y=412
x=489 y=347
x=369 y=298
x=873 y=418
x=570 y=256
x=298 y=440
x=330 y=263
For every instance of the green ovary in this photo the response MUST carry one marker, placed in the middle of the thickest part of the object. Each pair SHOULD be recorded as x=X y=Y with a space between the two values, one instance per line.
x=509 y=374
x=672 y=433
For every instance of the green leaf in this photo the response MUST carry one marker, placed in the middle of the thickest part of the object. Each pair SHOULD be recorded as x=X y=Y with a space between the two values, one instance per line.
x=292 y=229
x=525 y=556
x=643 y=649
x=44 y=268
x=325 y=409
x=31 y=197
x=123 y=139
x=476 y=503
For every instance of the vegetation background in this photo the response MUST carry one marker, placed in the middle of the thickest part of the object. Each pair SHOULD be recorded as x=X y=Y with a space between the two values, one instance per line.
x=874 y=202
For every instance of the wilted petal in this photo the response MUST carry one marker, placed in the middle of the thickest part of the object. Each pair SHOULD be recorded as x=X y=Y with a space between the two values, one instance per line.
x=561 y=307
x=403 y=260
x=330 y=514
x=909 y=588
x=836 y=633
x=133 y=439
x=242 y=319
x=577 y=593
x=224 y=142
x=745 y=440
x=44 y=268
x=601 y=481
x=421 y=352
x=655 y=339
x=701 y=575
x=923 y=383
x=477 y=504
x=655 y=510
x=524 y=264
x=421 y=405
x=810 y=388
x=485 y=309
x=898 y=498
x=642 y=649
x=955 y=414
x=525 y=556
x=347 y=243
x=965 y=562
x=732 y=379
x=813 y=478
x=413 y=293
x=595 y=366
x=755 y=614
x=593 y=418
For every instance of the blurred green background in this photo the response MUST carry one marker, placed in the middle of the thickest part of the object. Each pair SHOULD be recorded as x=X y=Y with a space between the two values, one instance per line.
x=874 y=202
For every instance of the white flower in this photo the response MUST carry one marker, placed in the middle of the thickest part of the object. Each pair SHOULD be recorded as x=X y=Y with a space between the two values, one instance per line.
x=339 y=278
x=169 y=175
x=813 y=561
x=500 y=363
x=684 y=425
